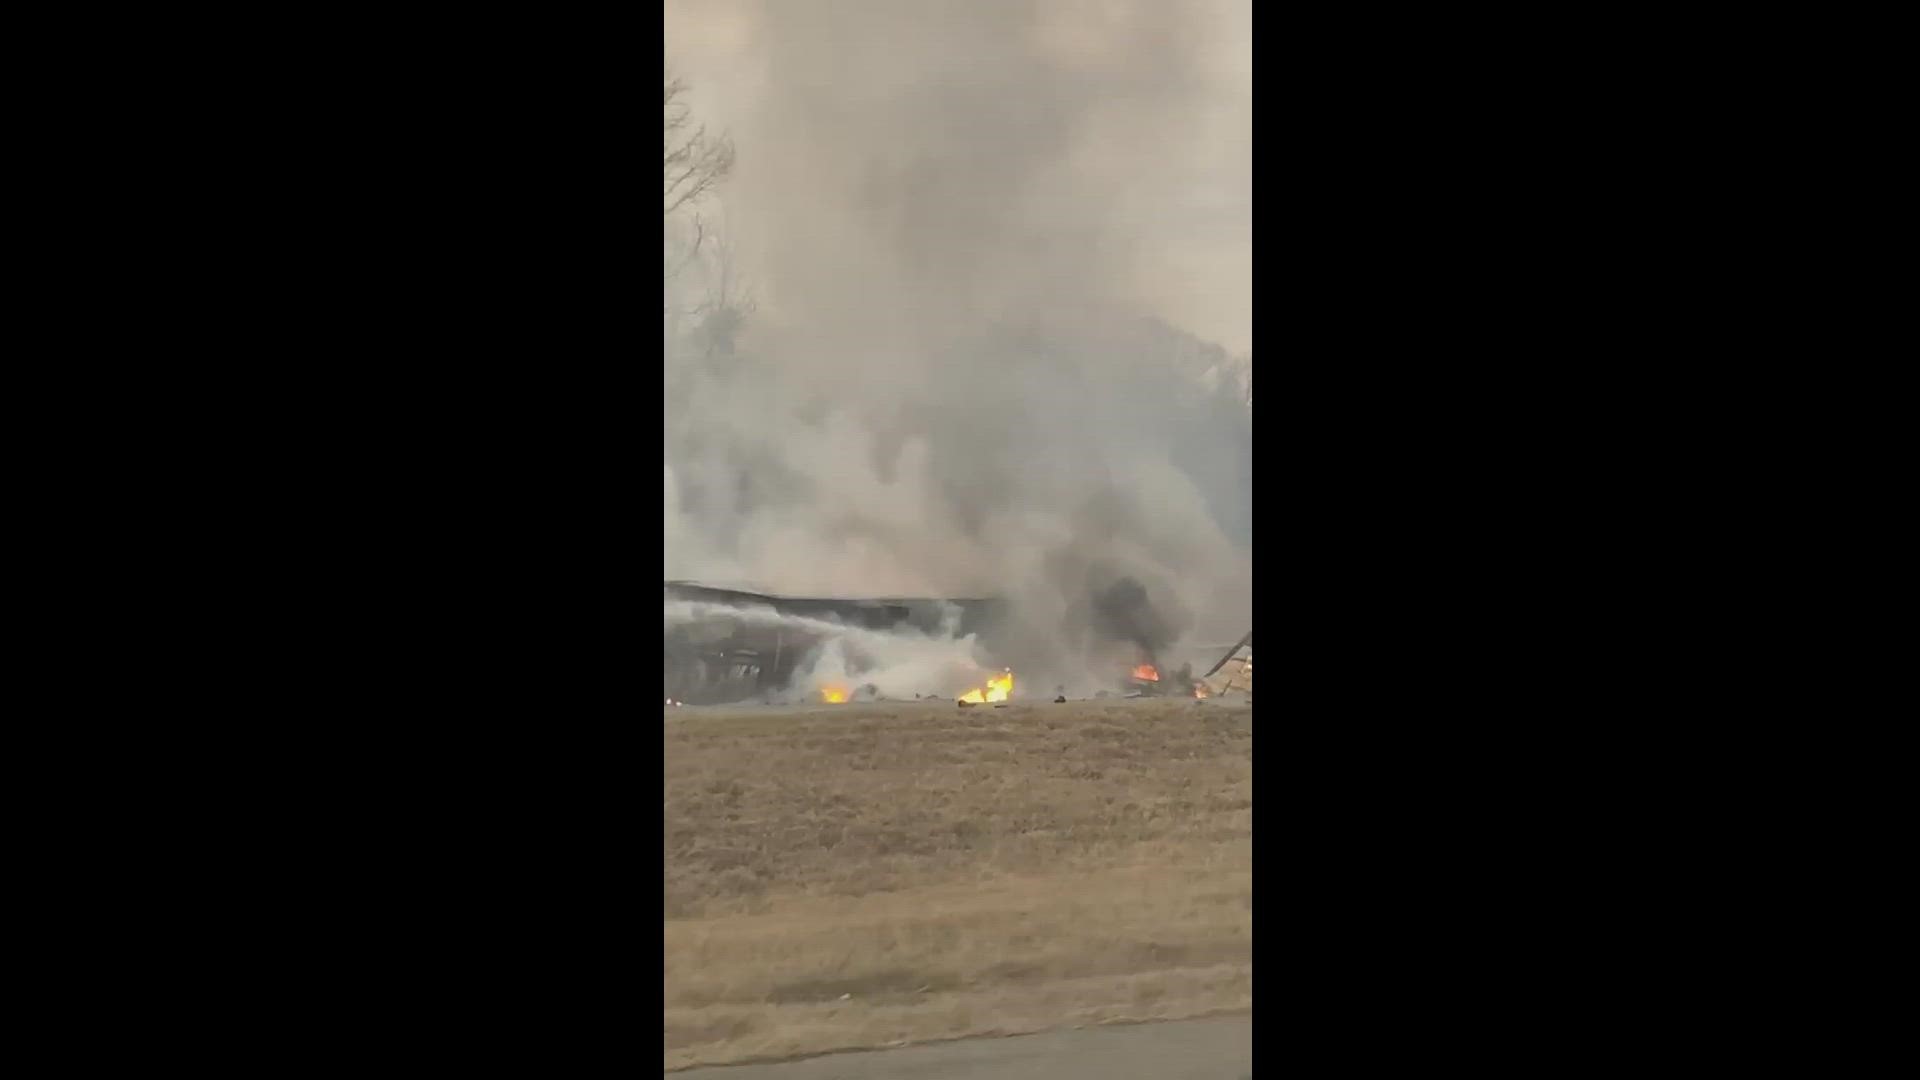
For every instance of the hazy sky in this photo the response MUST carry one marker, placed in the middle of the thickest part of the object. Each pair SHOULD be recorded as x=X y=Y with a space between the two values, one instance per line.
x=975 y=155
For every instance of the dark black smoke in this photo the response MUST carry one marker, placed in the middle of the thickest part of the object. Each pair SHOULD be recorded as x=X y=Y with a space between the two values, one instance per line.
x=1123 y=612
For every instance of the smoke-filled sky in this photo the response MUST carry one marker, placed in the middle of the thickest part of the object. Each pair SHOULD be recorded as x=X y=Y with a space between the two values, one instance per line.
x=986 y=147
x=1000 y=254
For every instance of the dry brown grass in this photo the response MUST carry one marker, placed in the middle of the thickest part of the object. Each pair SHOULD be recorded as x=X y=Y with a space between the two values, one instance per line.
x=859 y=876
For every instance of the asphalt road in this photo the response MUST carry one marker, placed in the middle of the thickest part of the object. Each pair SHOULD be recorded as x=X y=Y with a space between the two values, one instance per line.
x=1218 y=1048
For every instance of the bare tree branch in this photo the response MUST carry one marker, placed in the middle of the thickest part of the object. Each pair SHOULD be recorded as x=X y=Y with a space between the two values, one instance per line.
x=699 y=235
x=694 y=162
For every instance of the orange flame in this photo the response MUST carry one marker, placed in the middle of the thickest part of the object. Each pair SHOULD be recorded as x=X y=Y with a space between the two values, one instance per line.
x=999 y=688
x=1147 y=672
x=836 y=695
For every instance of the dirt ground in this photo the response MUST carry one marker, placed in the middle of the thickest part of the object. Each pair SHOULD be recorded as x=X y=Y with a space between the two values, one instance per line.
x=858 y=876
x=1214 y=1049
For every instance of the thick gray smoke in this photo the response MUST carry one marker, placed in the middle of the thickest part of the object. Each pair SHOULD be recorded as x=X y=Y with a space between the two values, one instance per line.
x=958 y=375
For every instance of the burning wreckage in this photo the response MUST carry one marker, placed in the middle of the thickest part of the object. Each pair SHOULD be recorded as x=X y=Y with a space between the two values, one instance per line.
x=733 y=645
x=1231 y=673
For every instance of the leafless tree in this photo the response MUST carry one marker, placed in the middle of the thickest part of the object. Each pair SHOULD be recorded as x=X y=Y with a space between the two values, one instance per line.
x=696 y=161
x=727 y=305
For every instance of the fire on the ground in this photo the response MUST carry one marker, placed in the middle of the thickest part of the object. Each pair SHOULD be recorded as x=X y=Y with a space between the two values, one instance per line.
x=998 y=688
